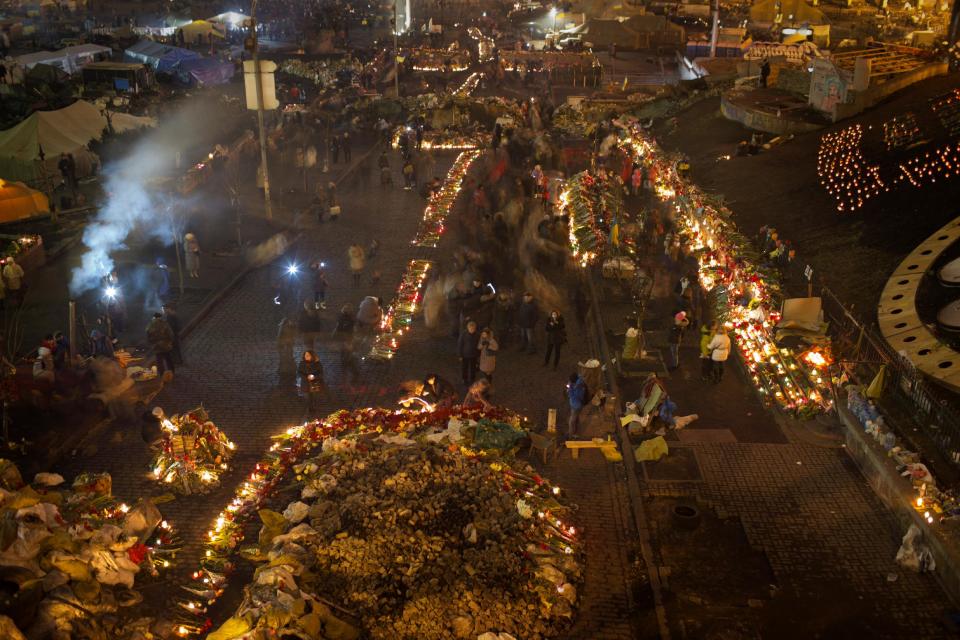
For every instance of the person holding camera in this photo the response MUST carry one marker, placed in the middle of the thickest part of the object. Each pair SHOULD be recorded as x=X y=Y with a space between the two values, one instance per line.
x=488 y=353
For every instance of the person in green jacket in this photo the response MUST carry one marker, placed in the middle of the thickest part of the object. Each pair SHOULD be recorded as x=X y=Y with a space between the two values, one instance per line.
x=706 y=335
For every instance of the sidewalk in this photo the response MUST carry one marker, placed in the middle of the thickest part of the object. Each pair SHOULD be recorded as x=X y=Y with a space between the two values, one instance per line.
x=792 y=542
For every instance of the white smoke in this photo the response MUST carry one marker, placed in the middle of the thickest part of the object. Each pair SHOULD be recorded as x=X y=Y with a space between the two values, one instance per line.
x=133 y=203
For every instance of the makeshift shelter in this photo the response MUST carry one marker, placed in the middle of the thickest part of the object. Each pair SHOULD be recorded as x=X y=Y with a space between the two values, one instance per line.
x=18 y=201
x=205 y=71
x=201 y=31
x=66 y=130
x=161 y=57
x=69 y=59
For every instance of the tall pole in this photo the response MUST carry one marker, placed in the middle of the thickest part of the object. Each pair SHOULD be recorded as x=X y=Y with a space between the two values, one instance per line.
x=72 y=329
x=268 y=208
x=396 y=50
x=715 y=34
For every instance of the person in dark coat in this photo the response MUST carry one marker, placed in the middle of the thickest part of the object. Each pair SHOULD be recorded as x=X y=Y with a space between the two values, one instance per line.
x=310 y=374
x=556 y=337
x=438 y=391
x=528 y=313
x=160 y=338
x=170 y=315
x=468 y=348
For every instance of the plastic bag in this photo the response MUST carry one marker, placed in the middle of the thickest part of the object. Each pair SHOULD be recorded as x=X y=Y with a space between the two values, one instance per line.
x=651 y=450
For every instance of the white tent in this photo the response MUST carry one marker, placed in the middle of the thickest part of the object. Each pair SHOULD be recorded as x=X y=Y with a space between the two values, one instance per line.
x=67 y=130
x=69 y=59
x=232 y=20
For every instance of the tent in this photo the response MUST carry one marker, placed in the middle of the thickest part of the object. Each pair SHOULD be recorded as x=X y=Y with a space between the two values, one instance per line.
x=232 y=20
x=205 y=71
x=69 y=59
x=18 y=201
x=161 y=57
x=201 y=31
x=66 y=130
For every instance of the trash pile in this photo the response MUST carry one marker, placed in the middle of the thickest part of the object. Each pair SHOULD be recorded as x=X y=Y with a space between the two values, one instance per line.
x=394 y=524
x=192 y=453
x=69 y=556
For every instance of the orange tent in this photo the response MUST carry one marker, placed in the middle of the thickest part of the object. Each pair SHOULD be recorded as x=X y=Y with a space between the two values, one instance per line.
x=18 y=201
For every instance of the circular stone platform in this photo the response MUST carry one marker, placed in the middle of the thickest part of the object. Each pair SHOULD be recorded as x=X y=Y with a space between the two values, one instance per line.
x=899 y=321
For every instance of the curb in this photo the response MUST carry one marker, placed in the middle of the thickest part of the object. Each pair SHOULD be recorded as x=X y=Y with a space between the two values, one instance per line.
x=640 y=518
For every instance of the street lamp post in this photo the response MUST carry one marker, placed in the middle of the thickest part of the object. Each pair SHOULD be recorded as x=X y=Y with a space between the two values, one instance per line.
x=259 y=80
x=396 y=50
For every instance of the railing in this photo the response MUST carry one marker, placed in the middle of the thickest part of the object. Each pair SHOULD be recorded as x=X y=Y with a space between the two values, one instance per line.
x=923 y=414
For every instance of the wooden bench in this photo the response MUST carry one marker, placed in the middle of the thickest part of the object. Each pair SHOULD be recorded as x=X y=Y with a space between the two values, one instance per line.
x=607 y=447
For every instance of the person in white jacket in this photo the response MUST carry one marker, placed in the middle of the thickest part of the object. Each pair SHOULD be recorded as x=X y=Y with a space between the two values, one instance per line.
x=719 y=348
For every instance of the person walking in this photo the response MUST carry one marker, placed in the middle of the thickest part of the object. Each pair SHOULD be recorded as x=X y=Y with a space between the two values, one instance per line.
x=719 y=352
x=386 y=176
x=343 y=334
x=310 y=375
x=319 y=284
x=160 y=338
x=764 y=72
x=556 y=337
x=488 y=353
x=409 y=175
x=13 y=277
x=528 y=313
x=503 y=318
x=468 y=348
x=358 y=260
x=335 y=148
x=577 y=399
x=286 y=362
x=170 y=315
x=191 y=255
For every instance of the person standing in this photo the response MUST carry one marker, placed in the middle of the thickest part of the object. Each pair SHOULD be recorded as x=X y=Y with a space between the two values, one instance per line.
x=706 y=364
x=527 y=316
x=345 y=143
x=680 y=324
x=160 y=338
x=503 y=318
x=719 y=352
x=556 y=337
x=191 y=255
x=386 y=177
x=170 y=315
x=488 y=353
x=310 y=373
x=13 y=277
x=468 y=347
x=335 y=148
x=764 y=72
x=319 y=284
x=357 y=259
x=577 y=399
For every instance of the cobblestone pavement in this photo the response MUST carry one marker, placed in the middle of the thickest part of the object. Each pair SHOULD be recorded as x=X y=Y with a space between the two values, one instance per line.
x=231 y=368
x=801 y=501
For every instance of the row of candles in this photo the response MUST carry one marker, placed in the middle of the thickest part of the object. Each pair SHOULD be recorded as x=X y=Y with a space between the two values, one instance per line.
x=852 y=181
x=794 y=381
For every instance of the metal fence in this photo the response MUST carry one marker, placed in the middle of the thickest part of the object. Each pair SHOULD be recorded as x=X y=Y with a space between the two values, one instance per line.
x=924 y=414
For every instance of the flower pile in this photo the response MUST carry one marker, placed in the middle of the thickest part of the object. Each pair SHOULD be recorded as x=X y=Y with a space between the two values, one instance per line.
x=192 y=453
x=70 y=555
x=594 y=202
x=393 y=473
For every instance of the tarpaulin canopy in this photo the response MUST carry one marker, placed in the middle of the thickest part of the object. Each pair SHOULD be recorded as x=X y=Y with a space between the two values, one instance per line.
x=205 y=71
x=161 y=57
x=69 y=59
x=18 y=201
x=66 y=130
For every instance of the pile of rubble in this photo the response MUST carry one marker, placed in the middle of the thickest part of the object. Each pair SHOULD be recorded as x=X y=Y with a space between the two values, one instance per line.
x=408 y=539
